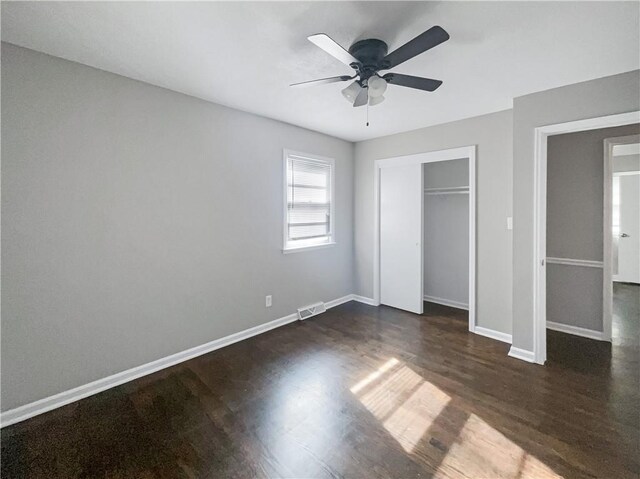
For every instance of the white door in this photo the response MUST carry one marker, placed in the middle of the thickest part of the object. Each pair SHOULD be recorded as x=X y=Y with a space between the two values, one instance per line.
x=401 y=237
x=629 y=232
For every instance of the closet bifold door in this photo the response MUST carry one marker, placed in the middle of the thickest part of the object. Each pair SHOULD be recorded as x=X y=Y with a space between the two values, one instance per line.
x=401 y=207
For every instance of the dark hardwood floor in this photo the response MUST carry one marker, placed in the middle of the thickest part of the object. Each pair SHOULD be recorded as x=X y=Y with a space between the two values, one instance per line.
x=357 y=392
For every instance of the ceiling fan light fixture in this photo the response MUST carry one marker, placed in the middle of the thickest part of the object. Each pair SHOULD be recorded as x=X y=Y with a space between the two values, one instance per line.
x=351 y=92
x=375 y=100
x=370 y=56
x=377 y=86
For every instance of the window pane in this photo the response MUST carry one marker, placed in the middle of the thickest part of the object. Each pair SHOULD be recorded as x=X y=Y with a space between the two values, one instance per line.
x=308 y=195
x=317 y=178
x=311 y=231
x=308 y=201
x=301 y=214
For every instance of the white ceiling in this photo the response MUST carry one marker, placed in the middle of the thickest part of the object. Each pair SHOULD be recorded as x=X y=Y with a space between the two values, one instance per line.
x=244 y=54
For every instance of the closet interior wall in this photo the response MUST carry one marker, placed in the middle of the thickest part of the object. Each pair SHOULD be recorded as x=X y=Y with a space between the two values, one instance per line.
x=446 y=232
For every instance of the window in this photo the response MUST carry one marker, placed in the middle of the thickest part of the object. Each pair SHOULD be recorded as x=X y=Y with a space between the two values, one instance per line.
x=308 y=202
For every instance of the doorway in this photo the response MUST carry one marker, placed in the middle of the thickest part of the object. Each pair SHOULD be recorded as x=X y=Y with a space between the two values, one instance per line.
x=399 y=232
x=576 y=256
x=623 y=156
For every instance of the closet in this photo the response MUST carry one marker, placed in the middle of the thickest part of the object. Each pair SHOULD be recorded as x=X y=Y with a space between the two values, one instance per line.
x=425 y=231
x=446 y=232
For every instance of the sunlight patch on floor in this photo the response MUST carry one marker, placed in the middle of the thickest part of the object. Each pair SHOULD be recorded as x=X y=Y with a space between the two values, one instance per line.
x=415 y=412
x=412 y=419
x=481 y=451
x=402 y=400
x=374 y=375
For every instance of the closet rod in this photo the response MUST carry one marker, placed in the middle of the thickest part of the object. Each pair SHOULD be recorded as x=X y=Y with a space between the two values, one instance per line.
x=451 y=190
x=447 y=188
x=434 y=193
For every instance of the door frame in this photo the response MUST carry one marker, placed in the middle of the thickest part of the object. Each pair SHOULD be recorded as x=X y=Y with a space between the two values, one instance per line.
x=540 y=225
x=609 y=143
x=466 y=152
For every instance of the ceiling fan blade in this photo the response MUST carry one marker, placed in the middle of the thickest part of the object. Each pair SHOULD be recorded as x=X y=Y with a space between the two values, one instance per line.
x=420 y=83
x=322 y=81
x=362 y=98
x=423 y=42
x=325 y=42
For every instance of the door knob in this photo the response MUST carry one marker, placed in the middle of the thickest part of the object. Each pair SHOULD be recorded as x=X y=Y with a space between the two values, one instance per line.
x=624 y=235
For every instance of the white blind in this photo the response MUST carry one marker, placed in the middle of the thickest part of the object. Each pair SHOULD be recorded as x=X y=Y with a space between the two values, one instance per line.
x=308 y=201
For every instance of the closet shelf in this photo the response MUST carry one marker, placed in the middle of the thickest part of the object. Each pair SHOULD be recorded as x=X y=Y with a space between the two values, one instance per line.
x=451 y=190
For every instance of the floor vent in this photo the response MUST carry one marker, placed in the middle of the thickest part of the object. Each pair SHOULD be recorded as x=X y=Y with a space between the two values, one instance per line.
x=311 y=310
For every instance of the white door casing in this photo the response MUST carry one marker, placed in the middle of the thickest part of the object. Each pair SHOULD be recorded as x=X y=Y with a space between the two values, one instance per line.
x=418 y=159
x=541 y=133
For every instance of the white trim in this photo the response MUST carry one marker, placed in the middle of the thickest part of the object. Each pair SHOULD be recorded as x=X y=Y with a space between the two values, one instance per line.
x=376 y=233
x=471 y=150
x=626 y=173
x=576 y=262
x=308 y=248
x=337 y=302
x=332 y=221
x=365 y=300
x=522 y=354
x=540 y=251
x=627 y=149
x=41 y=406
x=465 y=152
x=446 y=302
x=608 y=121
x=493 y=334
x=428 y=157
x=577 y=331
x=540 y=217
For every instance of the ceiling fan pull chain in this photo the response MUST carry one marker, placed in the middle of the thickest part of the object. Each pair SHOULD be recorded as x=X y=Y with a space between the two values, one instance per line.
x=367 y=113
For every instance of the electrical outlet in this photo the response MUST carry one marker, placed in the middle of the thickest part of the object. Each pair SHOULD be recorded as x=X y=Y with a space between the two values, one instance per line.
x=267 y=301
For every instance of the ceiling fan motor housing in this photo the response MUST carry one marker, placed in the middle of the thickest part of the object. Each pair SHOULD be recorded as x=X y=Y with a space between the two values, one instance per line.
x=370 y=53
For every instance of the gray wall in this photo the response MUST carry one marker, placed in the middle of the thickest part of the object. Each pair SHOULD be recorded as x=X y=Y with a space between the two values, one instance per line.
x=575 y=177
x=604 y=96
x=446 y=174
x=574 y=296
x=138 y=222
x=446 y=232
x=493 y=135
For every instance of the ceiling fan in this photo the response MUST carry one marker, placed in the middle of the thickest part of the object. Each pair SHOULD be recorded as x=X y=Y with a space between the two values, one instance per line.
x=369 y=57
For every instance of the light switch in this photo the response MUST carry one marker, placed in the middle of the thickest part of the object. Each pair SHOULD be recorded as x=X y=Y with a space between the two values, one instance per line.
x=509 y=222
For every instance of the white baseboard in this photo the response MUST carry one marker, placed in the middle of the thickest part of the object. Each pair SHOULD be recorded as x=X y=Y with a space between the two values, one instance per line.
x=337 y=302
x=577 y=331
x=364 y=299
x=446 y=302
x=491 y=333
x=522 y=354
x=41 y=406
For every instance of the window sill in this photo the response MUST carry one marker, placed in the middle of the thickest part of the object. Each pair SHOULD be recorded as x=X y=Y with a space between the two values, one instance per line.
x=299 y=249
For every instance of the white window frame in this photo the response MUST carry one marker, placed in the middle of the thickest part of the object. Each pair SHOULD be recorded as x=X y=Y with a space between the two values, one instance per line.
x=285 y=218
